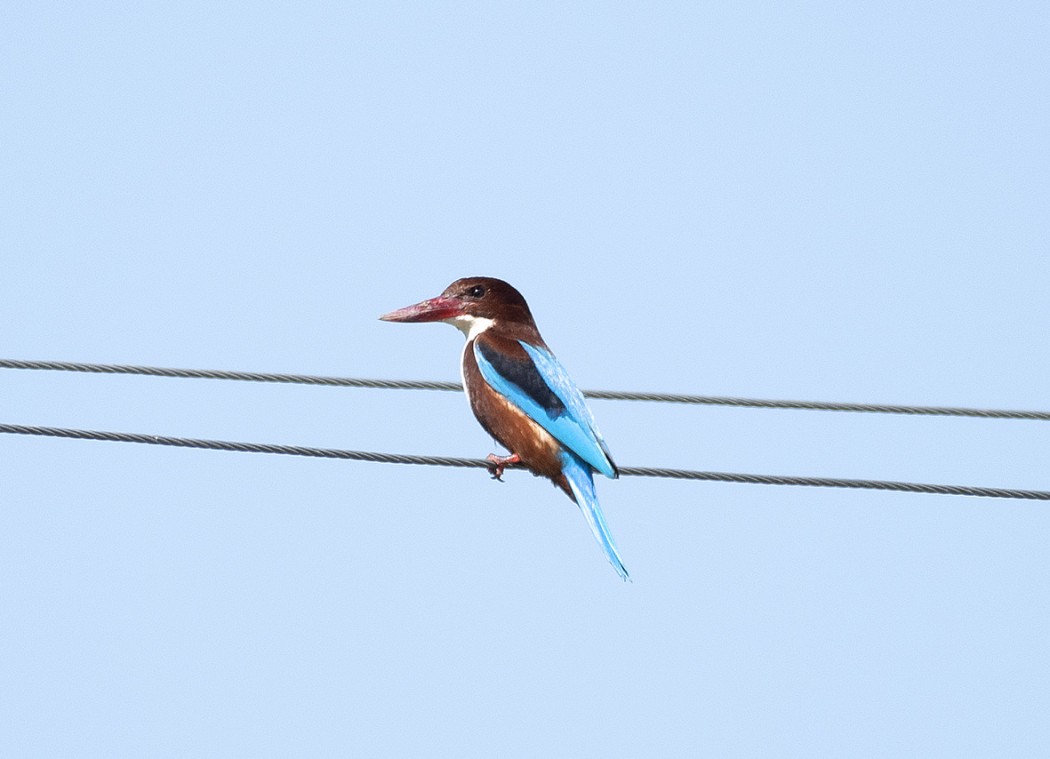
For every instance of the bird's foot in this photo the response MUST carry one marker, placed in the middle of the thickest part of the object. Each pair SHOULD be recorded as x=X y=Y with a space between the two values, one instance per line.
x=499 y=463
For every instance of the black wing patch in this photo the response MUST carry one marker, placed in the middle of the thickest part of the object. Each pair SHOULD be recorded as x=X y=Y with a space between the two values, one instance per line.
x=523 y=373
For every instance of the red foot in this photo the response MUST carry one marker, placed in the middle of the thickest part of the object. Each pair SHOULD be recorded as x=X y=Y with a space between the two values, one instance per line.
x=499 y=463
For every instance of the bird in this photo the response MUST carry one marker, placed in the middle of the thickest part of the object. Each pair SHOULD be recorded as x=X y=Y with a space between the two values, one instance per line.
x=522 y=395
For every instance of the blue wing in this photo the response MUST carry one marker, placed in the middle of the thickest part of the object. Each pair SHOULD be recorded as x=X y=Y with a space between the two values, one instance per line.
x=540 y=387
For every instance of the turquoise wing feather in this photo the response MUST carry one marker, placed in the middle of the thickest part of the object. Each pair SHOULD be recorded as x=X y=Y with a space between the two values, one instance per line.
x=543 y=390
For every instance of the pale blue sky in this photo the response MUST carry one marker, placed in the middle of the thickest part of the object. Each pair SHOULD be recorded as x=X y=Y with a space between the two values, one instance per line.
x=816 y=200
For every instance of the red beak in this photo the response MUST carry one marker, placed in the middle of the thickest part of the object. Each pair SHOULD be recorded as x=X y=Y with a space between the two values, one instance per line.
x=431 y=310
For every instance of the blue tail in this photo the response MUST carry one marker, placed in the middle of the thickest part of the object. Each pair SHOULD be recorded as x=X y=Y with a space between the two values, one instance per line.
x=582 y=484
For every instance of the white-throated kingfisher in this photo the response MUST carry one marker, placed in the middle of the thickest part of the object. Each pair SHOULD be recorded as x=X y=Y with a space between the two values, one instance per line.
x=522 y=395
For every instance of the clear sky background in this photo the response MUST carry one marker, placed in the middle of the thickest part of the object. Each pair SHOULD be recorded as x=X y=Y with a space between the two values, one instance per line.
x=821 y=201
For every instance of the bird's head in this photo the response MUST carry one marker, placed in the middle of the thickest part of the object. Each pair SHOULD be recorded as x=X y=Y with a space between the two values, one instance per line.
x=471 y=304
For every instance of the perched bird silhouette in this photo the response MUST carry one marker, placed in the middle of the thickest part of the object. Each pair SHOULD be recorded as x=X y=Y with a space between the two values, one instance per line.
x=522 y=395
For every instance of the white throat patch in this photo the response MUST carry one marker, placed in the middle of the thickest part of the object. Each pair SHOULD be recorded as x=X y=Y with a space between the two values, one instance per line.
x=471 y=326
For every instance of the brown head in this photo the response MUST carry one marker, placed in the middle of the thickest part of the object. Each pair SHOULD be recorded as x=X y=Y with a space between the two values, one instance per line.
x=471 y=304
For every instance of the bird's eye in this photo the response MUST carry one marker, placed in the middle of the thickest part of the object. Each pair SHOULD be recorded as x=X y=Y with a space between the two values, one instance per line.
x=477 y=291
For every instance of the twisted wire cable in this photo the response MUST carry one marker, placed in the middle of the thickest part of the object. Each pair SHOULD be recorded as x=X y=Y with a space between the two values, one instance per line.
x=611 y=395
x=453 y=461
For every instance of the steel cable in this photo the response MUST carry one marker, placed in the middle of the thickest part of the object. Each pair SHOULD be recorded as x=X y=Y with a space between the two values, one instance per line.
x=397 y=458
x=611 y=395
